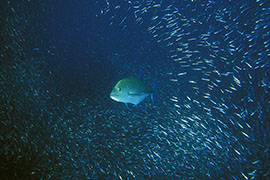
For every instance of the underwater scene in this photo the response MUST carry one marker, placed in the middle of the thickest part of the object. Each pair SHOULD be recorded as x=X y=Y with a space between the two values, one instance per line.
x=143 y=89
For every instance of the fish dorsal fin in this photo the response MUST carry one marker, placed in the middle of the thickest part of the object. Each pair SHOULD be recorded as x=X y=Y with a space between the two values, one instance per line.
x=140 y=75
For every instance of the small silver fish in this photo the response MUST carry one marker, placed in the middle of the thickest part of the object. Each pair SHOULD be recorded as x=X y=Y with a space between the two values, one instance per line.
x=131 y=90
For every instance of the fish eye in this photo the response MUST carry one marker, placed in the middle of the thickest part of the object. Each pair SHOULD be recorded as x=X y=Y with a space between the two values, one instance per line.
x=119 y=89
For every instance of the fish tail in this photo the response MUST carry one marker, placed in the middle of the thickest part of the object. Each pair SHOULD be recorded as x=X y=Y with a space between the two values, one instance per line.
x=153 y=95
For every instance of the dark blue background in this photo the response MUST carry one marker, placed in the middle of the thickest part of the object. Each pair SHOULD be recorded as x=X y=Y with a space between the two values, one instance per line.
x=60 y=60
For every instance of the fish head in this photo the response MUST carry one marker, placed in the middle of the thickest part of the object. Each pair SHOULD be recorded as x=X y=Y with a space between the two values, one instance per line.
x=118 y=93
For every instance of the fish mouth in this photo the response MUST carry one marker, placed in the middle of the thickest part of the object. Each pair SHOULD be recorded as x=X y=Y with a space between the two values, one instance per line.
x=112 y=96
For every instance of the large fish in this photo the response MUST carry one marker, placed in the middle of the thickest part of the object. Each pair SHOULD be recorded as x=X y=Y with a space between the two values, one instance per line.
x=131 y=90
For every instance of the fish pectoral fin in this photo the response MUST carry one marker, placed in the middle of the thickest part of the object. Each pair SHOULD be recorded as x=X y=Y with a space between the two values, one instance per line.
x=135 y=94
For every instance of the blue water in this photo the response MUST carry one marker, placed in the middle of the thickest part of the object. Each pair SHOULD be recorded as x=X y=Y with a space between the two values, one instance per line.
x=60 y=61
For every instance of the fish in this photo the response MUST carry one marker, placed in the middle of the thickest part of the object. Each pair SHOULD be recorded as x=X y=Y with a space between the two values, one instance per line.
x=131 y=90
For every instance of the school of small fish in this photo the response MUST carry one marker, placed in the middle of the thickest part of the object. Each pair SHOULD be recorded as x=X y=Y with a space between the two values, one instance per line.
x=211 y=119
